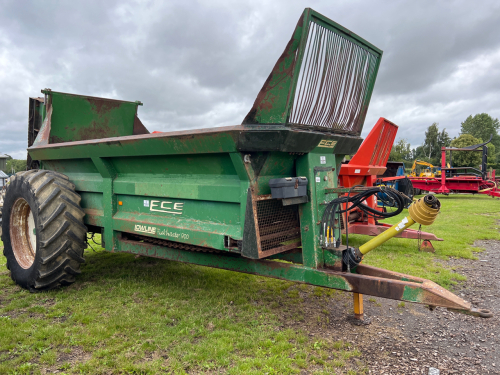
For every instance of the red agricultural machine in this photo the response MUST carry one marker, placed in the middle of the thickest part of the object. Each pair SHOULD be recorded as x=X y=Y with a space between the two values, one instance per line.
x=462 y=179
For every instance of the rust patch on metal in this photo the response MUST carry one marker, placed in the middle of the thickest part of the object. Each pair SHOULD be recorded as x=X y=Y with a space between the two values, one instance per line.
x=427 y=247
x=133 y=138
x=42 y=138
x=438 y=296
x=281 y=249
x=387 y=284
x=260 y=101
x=100 y=105
x=375 y=286
x=54 y=139
x=363 y=269
x=93 y=216
x=93 y=212
x=139 y=128
x=96 y=131
x=256 y=221
x=19 y=236
x=263 y=197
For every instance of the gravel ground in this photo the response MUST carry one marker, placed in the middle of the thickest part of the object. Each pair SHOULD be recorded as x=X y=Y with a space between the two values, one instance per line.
x=410 y=339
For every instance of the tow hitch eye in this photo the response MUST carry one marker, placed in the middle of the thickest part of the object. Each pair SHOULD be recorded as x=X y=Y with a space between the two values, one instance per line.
x=482 y=313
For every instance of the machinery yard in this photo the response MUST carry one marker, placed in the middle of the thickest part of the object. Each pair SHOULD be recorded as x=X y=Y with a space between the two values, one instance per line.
x=293 y=240
x=120 y=316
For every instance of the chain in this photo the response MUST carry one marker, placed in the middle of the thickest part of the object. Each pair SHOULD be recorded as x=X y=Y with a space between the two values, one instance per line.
x=419 y=237
x=171 y=244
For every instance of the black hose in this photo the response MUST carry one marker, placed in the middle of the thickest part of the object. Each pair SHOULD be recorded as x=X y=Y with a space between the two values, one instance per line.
x=390 y=197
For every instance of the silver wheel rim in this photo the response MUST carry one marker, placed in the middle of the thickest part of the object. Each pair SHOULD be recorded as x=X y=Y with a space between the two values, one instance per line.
x=23 y=233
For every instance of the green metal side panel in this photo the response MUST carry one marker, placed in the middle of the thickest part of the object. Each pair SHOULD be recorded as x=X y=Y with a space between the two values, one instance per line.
x=192 y=188
x=198 y=199
x=319 y=167
x=78 y=117
x=215 y=141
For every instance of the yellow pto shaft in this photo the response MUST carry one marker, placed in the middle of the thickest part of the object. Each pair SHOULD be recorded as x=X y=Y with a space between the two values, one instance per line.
x=423 y=211
x=386 y=235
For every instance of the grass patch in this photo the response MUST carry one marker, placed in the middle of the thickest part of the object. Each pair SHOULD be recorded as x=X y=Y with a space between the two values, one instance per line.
x=148 y=316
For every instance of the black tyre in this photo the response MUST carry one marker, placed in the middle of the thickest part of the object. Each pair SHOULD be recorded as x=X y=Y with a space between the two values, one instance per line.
x=42 y=230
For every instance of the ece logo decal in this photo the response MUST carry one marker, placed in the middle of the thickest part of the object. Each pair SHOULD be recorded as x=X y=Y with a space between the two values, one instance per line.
x=167 y=207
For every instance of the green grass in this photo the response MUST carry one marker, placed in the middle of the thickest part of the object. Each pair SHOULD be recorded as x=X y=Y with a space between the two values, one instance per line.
x=144 y=315
x=128 y=315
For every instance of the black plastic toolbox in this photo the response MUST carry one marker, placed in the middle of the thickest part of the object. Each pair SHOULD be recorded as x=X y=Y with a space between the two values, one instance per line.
x=288 y=187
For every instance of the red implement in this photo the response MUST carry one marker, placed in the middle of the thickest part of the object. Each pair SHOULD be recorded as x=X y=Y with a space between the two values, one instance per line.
x=462 y=179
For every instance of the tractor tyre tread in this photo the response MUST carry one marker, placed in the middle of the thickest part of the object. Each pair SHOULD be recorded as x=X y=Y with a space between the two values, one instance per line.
x=60 y=230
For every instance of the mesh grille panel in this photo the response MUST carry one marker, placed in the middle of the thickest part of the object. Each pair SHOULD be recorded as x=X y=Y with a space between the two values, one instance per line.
x=333 y=86
x=277 y=223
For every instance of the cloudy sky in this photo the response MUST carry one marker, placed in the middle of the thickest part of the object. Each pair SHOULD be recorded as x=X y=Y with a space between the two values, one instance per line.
x=200 y=64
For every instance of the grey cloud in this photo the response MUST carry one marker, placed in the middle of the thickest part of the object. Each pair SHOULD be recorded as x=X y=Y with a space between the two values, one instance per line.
x=200 y=64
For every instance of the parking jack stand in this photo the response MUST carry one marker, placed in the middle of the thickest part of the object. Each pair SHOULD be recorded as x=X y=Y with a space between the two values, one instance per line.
x=359 y=316
x=358 y=306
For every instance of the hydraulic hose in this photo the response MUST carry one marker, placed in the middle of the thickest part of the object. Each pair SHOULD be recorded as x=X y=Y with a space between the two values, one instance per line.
x=333 y=210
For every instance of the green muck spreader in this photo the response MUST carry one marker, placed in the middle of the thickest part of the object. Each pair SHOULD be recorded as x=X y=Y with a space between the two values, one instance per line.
x=260 y=197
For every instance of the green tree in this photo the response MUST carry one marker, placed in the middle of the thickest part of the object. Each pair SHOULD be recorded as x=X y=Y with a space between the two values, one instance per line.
x=466 y=158
x=15 y=165
x=431 y=145
x=443 y=140
x=401 y=151
x=492 y=156
x=419 y=153
x=482 y=126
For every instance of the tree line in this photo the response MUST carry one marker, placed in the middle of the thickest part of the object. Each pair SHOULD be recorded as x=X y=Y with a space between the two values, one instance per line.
x=14 y=165
x=475 y=129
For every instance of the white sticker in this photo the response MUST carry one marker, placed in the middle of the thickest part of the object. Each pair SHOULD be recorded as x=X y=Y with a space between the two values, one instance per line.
x=322 y=159
x=145 y=229
x=357 y=171
x=146 y=203
x=401 y=225
x=318 y=179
